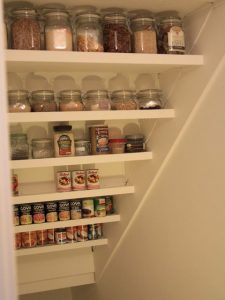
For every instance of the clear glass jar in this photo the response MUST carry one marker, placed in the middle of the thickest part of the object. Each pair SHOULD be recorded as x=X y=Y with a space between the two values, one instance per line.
x=19 y=146
x=116 y=33
x=123 y=100
x=150 y=99
x=18 y=101
x=42 y=148
x=25 y=30
x=82 y=147
x=144 y=35
x=134 y=143
x=58 y=31
x=70 y=100
x=89 y=37
x=97 y=100
x=43 y=101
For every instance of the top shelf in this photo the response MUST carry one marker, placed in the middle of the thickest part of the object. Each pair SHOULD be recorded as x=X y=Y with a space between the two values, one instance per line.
x=68 y=61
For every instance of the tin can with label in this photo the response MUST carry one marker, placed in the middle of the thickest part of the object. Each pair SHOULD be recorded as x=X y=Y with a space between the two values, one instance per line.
x=16 y=215
x=82 y=233
x=92 y=232
x=29 y=239
x=51 y=211
x=38 y=213
x=109 y=205
x=64 y=210
x=70 y=234
x=99 y=206
x=88 y=208
x=92 y=176
x=99 y=136
x=99 y=230
x=15 y=185
x=25 y=214
x=51 y=236
x=75 y=209
x=63 y=181
x=78 y=180
x=42 y=237
x=18 y=241
x=60 y=236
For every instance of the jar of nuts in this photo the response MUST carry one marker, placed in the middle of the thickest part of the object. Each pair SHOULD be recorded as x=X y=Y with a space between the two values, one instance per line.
x=123 y=100
x=43 y=100
x=70 y=100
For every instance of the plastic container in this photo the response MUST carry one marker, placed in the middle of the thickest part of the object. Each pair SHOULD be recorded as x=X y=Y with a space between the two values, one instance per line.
x=70 y=100
x=42 y=148
x=97 y=100
x=123 y=100
x=150 y=99
x=117 y=146
x=43 y=101
x=134 y=143
x=19 y=146
x=18 y=101
x=63 y=141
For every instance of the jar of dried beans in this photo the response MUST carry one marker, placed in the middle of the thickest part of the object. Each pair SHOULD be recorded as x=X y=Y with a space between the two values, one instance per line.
x=123 y=100
x=97 y=100
x=70 y=100
x=18 y=101
x=25 y=30
x=58 y=32
x=116 y=33
x=150 y=99
x=144 y=35
x=89 y=33
x=43 y=100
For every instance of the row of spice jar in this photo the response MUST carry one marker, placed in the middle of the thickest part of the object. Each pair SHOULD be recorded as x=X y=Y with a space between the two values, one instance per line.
x=58 y=236
x=114 y=31
x=72 y=100
x=64 y=210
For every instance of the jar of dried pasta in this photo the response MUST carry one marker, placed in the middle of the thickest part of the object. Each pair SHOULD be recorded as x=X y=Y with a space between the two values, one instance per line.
x=123 y=100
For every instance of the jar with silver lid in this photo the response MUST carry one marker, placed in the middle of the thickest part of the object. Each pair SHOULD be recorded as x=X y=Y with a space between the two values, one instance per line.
x=82 y=147
x=18 y=101
x=19 y=146
x=42 y=148
x=70 y=100
x=97 y=100
x=150 y=99
x=43 y=101
x=123 y=100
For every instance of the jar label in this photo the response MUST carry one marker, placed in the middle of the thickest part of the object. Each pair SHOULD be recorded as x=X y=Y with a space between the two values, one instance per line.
x=64 y=144
x=176 y=39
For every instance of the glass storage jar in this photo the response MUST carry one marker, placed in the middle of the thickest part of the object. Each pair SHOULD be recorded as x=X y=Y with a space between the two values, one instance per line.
x=18 y=101
x=19 y=146
x=70 y=100
x=43 y=101
x=116 y=33
x=89 y=37
x=150 y=99
x=82 y=147
x=144 y=35
x=42 y=148
x=58 y=32
x=123 y=100
x=63 y=141
x=134 y=143
x=25 y=30
x=97 y=100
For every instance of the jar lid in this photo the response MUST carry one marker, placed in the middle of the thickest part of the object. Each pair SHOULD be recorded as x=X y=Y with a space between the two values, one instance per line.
x=142 y=19
x=81 y=141
x=122 y=93
x=96 y=93
x=62 y=127
x=17 y=93
x=171 y=19
x=135 y=137
x=117 y=141
x=24 y=12
x=43 y=94
x=88 y=15
x=19 y=136
x=115 y=16
x=57 y=13
x=42 y=141
x=149 y=93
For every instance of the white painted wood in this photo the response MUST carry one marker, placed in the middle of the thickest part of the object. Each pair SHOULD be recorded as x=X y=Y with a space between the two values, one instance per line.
x=58 y=294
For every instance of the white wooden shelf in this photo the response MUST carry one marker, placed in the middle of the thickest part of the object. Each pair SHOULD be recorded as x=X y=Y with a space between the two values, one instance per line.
x=66 y=61
x=61 y=224
x=60 y=116
x=57 y=248
x=79 y=160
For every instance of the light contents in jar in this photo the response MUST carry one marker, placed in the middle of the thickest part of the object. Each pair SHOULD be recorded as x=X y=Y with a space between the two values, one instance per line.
x=89 y=41
x=145 y=41
x=59 y=39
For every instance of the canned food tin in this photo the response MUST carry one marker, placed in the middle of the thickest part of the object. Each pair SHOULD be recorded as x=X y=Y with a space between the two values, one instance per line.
x=29 y=239
x=109 y=205
x=70 y=234
x=75 y=209
x=38 y=213
x=99 y=135
x=15 y=185
x=64 y=210
x=88 y=208
x=82 y=233
x=92 y=179
x=99 y=206
x=92 y=233
x=51 y=236
x=60 y=236
x=78 y=180
x=18 y=241
x=42 y=237
x=16 y=215
x=25 y=214
x=98 y=228
x=51 y=211
x=63 y=181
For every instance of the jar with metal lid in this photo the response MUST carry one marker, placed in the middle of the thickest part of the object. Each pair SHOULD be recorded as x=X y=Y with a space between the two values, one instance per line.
x=25 y=30
x=58 y=31
x=123 y=100
x=144 y=35
x=43 y=100
x=97 y=100
x=42 y=148
x=19 y=146
x=150 y=99
x=18 y=101
x=89 y=37
x=116 y=33
x=70 y=100
x=63 y=141
x=82 y=147
x=134 y=143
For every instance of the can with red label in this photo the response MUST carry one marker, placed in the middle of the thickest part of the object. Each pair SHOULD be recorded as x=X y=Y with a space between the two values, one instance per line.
x=42 y=237
x=38 y=213
x=64 y=210
x=29 y=239
x=78 y=180
x=70 y=234
x=18 y=240
x=63 y=181
x=82 y=233
x=60 y=236
x=51 y=236
x=92 y=176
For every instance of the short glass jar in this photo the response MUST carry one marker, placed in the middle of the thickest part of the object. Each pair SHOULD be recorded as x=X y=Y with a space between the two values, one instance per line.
x=43 y=101
x=116 y=33
x=150 y=99
x=89 y=36
x=19 y=146
x=123 y=100
x=82 y=147
x=42 y=148
x=18 y=101
x=144 y=35
x=134 y=143
x=58 y=32
x=25 y=30
x=63 y=141
x=117 y=146
x=70 y=100
x=97 y=100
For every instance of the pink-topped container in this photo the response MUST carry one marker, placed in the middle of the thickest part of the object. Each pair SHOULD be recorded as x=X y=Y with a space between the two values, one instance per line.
x=117 y=146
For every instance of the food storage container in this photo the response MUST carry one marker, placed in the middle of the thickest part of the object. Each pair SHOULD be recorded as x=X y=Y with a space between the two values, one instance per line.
x=19 y=146
x=134 y=143
x=42 y=148
x=123 y=100
x=117 y=146
x=99 y=136
x=97 y=100
x=82 y=147
x=18 y=101
x=150 y=99
x=63 y=141
x=70 y=100
x=43 y=101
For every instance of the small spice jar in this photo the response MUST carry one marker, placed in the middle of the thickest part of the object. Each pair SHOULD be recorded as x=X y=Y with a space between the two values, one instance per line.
x=19 y=146
x=42 y=148
x=89 y=36
x=18 y=101
x=97 y=100
x=70 y=100
x=82 y=147
x=116 y=33
x=43 y=101
x=144 y=35
x=150 y=99
x=117 y=146
x=58 y=32
x=63 y=141
x=123 y=100
x=25 y=30
x=135 y=143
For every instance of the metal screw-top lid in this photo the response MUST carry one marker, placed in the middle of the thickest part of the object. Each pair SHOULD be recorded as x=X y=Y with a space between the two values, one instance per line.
x=62 y=128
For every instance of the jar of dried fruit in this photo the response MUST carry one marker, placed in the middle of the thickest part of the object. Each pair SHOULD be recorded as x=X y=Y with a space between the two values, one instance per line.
x=89 y=33
x=123 y=100
x=25 y=30
x=70 y=100
x=116 y=33
x=18 y=101
x=43 y=100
